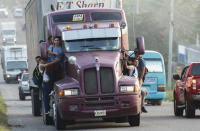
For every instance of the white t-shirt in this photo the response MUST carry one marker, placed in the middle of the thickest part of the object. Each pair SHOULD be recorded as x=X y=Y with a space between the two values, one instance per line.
x=45 y=76
x=133 y=71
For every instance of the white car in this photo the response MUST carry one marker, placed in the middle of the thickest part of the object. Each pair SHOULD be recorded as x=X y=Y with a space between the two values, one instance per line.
x=18 y=12
x=3 y=13
x=24 y=88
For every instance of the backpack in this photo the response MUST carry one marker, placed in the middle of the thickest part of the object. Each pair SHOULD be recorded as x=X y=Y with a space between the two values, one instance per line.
x=37 y=76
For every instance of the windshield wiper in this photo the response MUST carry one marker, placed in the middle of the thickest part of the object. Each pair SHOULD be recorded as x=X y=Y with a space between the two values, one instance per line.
x=85 y=46
x=95 y=48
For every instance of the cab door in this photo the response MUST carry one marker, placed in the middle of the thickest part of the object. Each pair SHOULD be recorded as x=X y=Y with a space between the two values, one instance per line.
x=180 y=89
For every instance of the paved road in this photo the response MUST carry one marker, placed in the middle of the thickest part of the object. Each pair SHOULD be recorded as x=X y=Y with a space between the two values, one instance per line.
x=159 y=118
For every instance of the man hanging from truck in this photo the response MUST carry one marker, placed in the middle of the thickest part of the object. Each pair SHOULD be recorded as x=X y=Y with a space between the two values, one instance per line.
x=51 y=70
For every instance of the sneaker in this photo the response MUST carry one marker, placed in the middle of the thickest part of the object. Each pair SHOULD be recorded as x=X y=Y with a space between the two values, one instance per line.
x=144 y=110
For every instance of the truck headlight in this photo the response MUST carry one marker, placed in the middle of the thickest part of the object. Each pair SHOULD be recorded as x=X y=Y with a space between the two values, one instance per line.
x=126 y=88
x=4 y=39
x=69 y=92
x=7 y=76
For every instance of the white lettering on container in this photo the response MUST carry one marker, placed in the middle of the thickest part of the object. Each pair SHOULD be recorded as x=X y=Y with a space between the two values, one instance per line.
x=79 y=4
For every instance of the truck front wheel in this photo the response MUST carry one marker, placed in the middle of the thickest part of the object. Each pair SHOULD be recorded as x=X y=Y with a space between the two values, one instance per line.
x=134 y=120
x=35 y=102
x=177 y=111
x=59 y=123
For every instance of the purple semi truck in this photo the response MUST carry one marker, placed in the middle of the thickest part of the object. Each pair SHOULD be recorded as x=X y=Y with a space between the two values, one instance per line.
x=94 y=42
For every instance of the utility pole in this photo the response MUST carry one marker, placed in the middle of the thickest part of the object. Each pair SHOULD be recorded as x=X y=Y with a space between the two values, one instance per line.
x=171 y=30
x=197 y=39
x=137 y=7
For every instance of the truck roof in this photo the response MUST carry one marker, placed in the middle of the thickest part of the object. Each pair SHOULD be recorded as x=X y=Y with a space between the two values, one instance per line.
x=8 y=25
x=84 y=11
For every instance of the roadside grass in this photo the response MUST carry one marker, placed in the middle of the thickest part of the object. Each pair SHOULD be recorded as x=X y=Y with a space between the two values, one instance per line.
x=3 y=118
x=169 y=95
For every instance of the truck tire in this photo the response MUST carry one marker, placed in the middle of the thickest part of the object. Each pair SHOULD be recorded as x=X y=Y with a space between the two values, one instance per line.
x=134 y=120
x=159 y=102
x=35 y=102
x=21 y=95
x=59 y=123
x=177 y=111
x=7 y=81
x=189 y=109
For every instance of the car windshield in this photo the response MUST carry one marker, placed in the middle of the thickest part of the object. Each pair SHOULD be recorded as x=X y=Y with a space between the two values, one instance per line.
x=8 y=32
x=195 y=69
x=11 y=65
x=95 y=44
x=25 y=77
x=154 y=65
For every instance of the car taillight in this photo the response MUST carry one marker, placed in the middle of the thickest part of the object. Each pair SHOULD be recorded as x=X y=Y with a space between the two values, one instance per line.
x=194 y=87
x=161 y=88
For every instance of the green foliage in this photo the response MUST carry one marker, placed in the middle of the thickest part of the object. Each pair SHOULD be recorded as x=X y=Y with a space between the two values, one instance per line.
x=169 y=95
x=153 y=20
x=3 y=118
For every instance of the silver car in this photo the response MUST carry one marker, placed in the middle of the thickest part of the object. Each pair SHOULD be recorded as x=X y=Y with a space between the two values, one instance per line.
x=24 y=88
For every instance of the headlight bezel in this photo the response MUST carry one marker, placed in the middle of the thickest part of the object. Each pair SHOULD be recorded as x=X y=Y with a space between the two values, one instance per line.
x=71 y=92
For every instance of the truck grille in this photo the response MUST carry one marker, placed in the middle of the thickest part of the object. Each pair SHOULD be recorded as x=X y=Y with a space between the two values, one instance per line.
x=107 y=80
x=10 y=40
x=100 y=105
x=90 y=81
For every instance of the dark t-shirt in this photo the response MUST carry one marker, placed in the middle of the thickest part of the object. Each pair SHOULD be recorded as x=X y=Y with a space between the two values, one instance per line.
x=140 y=66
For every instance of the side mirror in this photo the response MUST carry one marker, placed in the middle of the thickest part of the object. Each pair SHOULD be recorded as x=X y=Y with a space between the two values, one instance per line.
x=140 y=45
x=123 y=25
x=176 y=77
x=43 y=49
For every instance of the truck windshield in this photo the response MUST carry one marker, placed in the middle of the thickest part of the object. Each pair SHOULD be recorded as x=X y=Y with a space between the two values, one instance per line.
x=102 y=16
x=195 y=69
x=8 y=32
x=94 y=44
x=154 y=65
x=11 y=65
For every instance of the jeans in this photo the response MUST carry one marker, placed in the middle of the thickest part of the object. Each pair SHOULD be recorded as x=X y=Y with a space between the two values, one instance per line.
x=45 y=92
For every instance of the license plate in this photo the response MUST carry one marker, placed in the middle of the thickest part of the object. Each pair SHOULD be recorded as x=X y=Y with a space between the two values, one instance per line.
x=152 y=92
x=100 y=113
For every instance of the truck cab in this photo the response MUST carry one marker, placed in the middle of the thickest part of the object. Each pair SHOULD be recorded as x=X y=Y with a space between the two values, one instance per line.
x=8 y=33
x=14 y=61
x=93 y=85
x=94 y=43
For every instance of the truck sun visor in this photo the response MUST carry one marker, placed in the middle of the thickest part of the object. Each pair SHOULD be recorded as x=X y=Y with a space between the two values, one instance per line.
x=91 y=33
